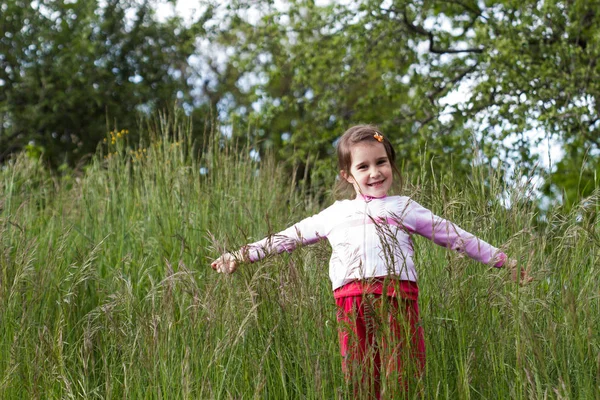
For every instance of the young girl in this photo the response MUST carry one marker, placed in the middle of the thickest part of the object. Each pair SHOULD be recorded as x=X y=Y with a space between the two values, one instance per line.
x=372 y=271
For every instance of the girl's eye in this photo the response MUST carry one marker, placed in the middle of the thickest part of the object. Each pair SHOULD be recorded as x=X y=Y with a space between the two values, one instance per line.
x=362 y=167
x=382 y=162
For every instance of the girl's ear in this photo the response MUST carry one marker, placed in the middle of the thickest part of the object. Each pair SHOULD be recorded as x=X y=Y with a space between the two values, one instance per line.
x=347 y=176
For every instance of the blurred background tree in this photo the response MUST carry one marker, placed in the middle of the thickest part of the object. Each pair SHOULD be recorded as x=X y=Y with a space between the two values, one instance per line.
x=456 y=81
x=72 y=70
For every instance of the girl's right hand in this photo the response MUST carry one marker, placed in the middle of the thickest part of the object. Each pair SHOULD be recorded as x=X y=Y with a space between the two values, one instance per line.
x=226 y=264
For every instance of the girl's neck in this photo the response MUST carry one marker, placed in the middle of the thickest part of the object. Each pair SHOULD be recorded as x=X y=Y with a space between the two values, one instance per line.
x=360 y=196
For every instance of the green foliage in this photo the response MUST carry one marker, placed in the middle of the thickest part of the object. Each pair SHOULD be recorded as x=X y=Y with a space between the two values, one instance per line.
x=322 y=69
x=69 y=71
x=513 y=68
x=540 y=70
x=576 y=178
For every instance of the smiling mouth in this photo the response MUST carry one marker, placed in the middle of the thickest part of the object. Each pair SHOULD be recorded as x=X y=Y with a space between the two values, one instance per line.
x=375 y=184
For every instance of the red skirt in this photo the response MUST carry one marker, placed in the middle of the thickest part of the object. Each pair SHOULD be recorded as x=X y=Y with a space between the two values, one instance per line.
x=380 y=335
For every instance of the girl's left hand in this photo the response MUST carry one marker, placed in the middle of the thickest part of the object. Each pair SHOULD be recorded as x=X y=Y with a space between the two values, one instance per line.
x=521 y=276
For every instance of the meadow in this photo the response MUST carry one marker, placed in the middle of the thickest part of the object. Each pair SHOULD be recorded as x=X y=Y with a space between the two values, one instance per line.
x=106 y=290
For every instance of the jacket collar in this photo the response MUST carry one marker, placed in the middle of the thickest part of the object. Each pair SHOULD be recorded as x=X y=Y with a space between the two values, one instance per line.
x=368 y=198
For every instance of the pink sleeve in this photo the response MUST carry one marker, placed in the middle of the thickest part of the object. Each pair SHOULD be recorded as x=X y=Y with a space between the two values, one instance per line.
x=444 y=233
x=307 y=231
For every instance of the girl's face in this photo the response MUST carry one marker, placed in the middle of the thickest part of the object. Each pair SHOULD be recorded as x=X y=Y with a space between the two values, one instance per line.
x=370 y=170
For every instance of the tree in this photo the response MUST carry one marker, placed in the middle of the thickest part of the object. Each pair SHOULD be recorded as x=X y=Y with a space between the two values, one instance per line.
x=70 y=71
x=321 y=69
x=516 y=66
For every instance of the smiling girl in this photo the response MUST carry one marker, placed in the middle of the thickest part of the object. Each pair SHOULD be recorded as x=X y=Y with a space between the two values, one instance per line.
x=372 y=268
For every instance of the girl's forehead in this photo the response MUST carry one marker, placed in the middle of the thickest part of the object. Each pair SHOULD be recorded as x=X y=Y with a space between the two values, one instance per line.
x=365 y=150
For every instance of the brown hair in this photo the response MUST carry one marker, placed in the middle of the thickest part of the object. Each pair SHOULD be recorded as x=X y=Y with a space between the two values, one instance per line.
x=354 y=135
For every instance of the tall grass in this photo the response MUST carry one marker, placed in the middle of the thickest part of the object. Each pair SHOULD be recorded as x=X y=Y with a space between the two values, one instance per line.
x=106 y=290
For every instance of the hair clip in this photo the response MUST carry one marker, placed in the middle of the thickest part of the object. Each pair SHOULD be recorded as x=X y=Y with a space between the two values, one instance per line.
x=378 y=136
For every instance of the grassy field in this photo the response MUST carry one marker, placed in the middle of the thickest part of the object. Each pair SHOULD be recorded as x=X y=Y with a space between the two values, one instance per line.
x=106 y=289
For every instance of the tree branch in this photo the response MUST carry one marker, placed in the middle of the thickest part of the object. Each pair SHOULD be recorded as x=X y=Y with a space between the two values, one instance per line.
x=432 y=48
x=452 y=82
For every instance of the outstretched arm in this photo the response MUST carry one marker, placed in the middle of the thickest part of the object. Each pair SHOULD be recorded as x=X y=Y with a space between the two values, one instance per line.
x=307 y=231
x=448 y=234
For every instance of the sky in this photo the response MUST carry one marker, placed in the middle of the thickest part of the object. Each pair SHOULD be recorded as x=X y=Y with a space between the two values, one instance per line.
x=186 y=8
